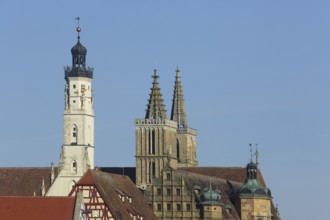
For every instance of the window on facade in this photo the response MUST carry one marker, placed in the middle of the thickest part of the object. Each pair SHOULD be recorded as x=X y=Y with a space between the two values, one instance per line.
x=169 y=207
x=178 y=207
x=74 y=101
x=168 y=176
x=188 y=207
x=159 y=207
x=168 y=192
x=74 y=86
x=153 y=167
x=178 y=150
x=74 y=133
x=74 y=166
x=159 y=191
x=152 y=170
x=259 y=218
x=152 y=142
x=178 y=192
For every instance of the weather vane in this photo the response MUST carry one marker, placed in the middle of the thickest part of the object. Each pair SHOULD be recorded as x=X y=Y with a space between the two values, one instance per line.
x=251 y=151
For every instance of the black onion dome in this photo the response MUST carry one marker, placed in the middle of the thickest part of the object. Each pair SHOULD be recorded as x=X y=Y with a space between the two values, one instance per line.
x=78 y=49
x=251 y=166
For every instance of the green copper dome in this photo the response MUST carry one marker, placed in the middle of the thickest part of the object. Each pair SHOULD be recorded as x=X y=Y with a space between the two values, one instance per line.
x=252 y=186
x=210 y=196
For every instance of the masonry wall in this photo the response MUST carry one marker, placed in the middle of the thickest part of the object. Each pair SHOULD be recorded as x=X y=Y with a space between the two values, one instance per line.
x=212 y=212
x=255 y=209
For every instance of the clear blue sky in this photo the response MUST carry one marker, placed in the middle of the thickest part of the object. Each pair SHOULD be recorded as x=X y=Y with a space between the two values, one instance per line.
x=252 y=72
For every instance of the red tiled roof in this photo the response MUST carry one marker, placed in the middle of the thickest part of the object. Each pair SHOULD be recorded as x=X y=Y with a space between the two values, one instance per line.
x=23 y=181
x=37 y=208
x=86 y=179
x=237 y=174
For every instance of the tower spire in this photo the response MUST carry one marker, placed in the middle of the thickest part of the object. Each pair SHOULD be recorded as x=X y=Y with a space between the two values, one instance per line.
x=155 y=106
x=178 y=112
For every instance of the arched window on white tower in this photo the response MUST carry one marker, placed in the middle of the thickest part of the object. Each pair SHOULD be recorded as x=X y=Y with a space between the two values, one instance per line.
x=74 y=167
x=74 y=135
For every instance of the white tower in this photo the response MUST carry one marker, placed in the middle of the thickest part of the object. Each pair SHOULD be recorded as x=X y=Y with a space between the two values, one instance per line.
x=77 y=154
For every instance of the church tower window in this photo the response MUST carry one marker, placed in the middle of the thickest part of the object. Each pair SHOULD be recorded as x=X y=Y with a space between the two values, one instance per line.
x=178 y=150
x=74 y=167
x=74 y=135
x=152 y=171
x=152 y=140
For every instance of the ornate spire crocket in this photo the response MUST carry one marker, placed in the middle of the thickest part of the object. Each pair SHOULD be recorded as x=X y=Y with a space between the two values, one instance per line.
x=178 y=113
x=155 y=107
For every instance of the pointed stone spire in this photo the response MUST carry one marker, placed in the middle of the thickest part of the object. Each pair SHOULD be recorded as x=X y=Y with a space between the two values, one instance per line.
x=156 y=107
x=178 y=113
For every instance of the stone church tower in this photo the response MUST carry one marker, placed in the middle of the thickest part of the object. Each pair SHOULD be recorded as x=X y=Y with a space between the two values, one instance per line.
x=77 y=154
x=186 y=137
x=155 y=139
x=160 y=141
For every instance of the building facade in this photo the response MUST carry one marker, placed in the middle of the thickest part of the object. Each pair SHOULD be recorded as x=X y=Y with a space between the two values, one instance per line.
x=173 y=185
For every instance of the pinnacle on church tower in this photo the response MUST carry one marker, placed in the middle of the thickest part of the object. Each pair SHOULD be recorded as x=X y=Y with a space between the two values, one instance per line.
x=178 y=113
x=155 y=107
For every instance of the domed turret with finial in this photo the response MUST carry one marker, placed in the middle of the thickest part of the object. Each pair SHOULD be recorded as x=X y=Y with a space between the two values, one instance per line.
x=78 y=52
